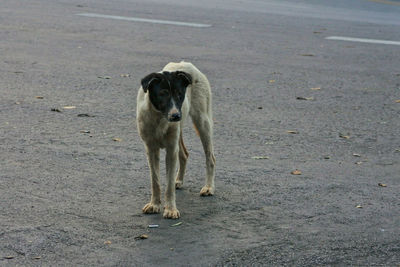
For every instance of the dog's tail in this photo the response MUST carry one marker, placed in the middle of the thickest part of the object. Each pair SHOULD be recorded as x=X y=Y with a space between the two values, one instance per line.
x=196 y=130
x=182 y=146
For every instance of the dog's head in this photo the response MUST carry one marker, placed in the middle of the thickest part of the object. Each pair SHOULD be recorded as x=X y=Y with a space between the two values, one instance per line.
x=167 y=92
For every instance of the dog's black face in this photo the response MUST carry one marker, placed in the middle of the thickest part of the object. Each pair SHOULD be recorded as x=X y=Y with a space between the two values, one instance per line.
x=167 y=91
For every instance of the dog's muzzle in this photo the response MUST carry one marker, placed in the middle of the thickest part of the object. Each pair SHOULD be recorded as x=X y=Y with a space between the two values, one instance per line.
x=174 y=117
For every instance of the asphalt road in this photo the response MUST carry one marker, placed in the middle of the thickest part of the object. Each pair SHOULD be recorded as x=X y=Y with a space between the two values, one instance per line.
x=72 y=186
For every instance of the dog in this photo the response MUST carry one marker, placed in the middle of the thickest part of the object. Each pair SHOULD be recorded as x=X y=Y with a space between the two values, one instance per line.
x=164 y=102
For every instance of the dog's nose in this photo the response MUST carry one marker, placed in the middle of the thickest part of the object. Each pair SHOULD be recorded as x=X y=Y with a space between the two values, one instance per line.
x=175 y=117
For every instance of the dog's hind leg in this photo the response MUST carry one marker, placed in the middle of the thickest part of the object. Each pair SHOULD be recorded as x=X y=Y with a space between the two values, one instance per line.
x=183 y=156
x=153 y=157
x=204 y=124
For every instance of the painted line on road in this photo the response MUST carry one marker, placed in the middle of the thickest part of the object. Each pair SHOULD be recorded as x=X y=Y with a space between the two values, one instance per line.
x=156 y=21
x=362 y=40
x=386 y=2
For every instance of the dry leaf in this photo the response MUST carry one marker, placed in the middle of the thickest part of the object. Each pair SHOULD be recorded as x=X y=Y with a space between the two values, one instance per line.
x=108 y=242
x=9 y=257
x=271 y=81
x=382 y=185
x=125 y=75
x=316 y=88
x=344 y=136
x=398 y=101
x=296 y=172
x=260 y=157
x=69 y=107
x=143 y=236
x=39 y=97
x=359 y=207
x=37 y=258
x=117 y=139
x=292 y=132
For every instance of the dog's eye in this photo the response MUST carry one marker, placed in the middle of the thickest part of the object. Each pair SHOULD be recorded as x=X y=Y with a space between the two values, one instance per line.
x=164 y=93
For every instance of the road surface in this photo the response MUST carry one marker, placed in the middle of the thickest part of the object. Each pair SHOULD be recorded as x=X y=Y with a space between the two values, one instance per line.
x=286 y=96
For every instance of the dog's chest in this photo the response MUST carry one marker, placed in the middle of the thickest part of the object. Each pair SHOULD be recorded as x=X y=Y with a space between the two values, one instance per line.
x=156 y=132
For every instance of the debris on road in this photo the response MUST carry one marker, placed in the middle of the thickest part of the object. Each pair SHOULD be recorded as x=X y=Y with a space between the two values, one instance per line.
x=382 y=185
x=9 y=257
x=69 y=107
x=305 y=98
x=117 y=139
x=176 y=224
x=292 y=132
x=85 y=131
x=143 y=236
x=356 y=155
x=153 y=225
x=359 y=207
x=296 y=172
x=125 y=75
x=107 y=242
x=260 y=157
x=55 y=110
x=85 y=115
x=39 y=97
x=104 y=77
x=316 y=88
x=344 y=136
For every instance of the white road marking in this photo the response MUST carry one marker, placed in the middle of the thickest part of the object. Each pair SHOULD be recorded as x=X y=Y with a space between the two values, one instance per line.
x=157 y=21
x=362 y=40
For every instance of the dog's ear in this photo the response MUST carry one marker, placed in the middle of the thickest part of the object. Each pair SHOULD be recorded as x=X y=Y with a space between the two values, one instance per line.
x=184 y=77
x=150 y=80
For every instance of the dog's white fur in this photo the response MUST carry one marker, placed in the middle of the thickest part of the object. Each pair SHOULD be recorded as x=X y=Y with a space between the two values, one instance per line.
x=157 y=132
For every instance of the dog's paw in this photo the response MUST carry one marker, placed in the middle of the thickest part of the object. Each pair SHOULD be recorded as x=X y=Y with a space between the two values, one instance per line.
x=171 y=213
x=207 y=191
x=151 y=208
x=178 y=184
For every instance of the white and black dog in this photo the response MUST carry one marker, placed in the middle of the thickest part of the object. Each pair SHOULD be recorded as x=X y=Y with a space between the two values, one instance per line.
x=164 y=101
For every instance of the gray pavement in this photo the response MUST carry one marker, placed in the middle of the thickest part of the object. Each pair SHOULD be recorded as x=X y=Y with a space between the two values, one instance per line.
x=70 y=195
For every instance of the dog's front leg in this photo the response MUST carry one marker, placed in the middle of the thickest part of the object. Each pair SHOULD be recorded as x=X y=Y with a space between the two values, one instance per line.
x=170 y=210
x=153 y=157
